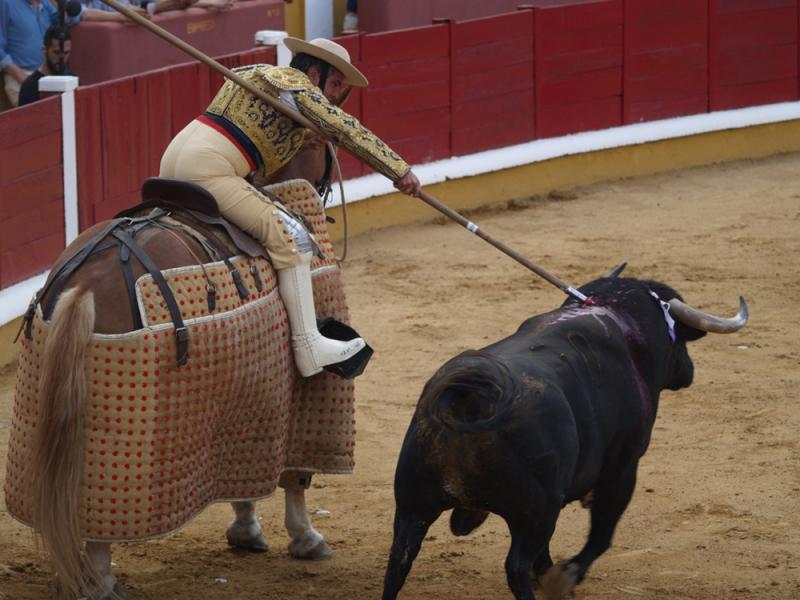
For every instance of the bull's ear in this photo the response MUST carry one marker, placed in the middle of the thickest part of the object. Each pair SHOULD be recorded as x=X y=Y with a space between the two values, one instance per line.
x=686 y=333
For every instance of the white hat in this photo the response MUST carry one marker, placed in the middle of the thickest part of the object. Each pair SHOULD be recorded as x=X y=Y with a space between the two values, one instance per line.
x=330 y=52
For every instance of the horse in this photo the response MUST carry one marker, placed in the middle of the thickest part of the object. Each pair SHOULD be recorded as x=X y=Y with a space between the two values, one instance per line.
x=63 y=416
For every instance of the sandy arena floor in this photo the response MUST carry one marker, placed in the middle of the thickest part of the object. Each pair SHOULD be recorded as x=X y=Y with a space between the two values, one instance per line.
x=716 y=513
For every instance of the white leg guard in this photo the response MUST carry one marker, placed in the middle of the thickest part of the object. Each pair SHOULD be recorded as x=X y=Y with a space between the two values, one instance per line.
x=312 y=351
x=306 y=541
x=245 y=530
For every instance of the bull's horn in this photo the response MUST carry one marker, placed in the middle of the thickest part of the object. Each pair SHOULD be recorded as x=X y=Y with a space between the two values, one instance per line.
x=706 y=322
x=617 y=270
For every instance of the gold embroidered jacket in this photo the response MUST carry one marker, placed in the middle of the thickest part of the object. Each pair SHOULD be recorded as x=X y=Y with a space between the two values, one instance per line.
x=277 y=138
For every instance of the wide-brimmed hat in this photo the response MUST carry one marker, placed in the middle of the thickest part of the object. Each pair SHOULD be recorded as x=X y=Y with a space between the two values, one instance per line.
x=332 y=53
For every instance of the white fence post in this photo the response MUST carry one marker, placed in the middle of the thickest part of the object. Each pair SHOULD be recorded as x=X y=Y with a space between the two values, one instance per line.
x=272 y=37
x=65 y=85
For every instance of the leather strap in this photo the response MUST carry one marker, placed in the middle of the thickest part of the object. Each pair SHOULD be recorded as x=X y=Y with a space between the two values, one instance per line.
x=130 y=283
x=57 y=278
x=181 y=334
x=218 y=247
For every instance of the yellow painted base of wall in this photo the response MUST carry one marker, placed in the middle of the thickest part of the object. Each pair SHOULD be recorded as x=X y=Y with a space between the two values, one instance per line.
x=573 y=171
x=540 y=178
x=8 y=349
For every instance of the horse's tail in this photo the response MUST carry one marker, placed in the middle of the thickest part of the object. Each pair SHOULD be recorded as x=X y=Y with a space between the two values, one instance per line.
x=58 y=445
x=474 y=392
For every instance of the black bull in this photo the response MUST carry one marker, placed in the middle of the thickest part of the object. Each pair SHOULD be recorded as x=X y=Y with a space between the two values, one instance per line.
x=562 y=410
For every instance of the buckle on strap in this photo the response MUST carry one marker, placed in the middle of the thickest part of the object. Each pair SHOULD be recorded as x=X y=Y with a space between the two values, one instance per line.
x=182 y=343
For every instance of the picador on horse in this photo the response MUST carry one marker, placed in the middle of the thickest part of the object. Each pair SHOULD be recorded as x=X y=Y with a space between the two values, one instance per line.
x=132 y=442
x=238 y=137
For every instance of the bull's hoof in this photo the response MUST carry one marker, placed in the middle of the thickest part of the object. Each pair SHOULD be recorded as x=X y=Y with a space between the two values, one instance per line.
x=247 y=537
x=310 y=549
x=560 y=581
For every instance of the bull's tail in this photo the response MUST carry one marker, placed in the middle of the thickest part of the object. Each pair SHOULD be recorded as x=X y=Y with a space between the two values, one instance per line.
x=59 y=444
x=471 y=393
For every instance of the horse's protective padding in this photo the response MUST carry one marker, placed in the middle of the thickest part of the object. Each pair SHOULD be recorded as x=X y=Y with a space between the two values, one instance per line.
x=163 y=442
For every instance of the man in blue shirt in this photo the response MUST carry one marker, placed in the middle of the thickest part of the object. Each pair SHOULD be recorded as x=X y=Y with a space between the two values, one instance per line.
x=23 y=24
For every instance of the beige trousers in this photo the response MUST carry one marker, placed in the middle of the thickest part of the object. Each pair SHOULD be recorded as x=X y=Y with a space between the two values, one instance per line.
x=11 y=86
x=202 y=155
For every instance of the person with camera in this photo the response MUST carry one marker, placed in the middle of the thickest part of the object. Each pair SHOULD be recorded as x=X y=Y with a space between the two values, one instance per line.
x=23 y=24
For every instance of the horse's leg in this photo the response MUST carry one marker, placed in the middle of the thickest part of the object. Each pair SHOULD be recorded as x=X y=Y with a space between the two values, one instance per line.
x=306 y=542
x=105 y=586
x=245 y=530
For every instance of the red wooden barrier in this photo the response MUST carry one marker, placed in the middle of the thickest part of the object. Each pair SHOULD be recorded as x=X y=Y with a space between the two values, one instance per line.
x=191 y=93
x=578 y=65
x=753 y=52
x=102 y=51
x=387 y=16
x=32 y=190
x=89 y=142
x=124 y=140
x=492 y=82
x=666 y=59
x=408 y=101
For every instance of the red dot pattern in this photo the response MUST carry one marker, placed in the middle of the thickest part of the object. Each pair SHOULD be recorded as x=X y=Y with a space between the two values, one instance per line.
x=163 y=442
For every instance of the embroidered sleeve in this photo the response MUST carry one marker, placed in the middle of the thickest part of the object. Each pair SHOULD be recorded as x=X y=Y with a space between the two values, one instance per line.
x=347 y=131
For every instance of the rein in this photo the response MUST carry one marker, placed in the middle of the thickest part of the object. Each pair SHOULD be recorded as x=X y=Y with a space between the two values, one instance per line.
x=346 y=220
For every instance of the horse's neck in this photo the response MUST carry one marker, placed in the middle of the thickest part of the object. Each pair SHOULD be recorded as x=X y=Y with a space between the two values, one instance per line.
x=308 y=164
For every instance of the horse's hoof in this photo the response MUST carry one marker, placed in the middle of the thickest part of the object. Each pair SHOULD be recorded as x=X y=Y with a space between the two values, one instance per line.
x=299 y=548
x=117 y=593
x=560 y=581
x=247 y=537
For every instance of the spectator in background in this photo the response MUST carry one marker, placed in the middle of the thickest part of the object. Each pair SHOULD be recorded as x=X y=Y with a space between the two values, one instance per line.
x=350 y=22
x=216 y=5
x=97 y=10
x=54 y=56
x=23 y=24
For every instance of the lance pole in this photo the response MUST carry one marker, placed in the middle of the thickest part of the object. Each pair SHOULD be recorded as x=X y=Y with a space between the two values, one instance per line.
x=302 y=120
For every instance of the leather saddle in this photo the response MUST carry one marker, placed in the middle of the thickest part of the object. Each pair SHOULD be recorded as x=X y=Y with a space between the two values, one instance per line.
x=173 y=194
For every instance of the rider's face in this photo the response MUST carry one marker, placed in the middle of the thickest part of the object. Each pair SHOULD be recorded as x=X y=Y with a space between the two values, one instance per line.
x=335 y=85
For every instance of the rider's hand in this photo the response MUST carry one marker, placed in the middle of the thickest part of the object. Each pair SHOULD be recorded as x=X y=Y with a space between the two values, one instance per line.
x=409 y=184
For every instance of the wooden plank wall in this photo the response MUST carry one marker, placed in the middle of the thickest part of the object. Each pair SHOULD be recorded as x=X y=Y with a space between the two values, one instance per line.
x=492 y=73
x=31 y=190
x=408 y=101
x=666 y=59
x=753 y=52
x=578 y=66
